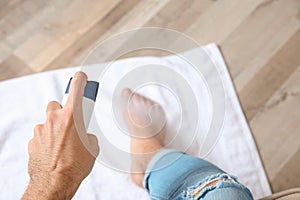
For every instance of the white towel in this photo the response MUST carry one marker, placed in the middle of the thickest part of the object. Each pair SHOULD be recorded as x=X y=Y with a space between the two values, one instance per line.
x=23 y=102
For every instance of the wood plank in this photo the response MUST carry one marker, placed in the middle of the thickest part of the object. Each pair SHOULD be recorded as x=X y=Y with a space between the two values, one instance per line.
x=276 y=128
x=13 y=67
x=35 y=23
x=179 y=14
x=6 y=6
x=137 y=17
x=259 y=37
x=287 y=178
x=17 y=15
x=271 y=77
x=59 y=34
x=220 y=20
x=80 y=46
x=5 y=51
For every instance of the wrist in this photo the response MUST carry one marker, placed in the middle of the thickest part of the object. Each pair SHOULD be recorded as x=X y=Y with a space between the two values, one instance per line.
x=54 y=187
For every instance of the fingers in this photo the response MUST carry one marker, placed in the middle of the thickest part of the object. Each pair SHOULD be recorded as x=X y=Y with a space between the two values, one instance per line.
x=93 y=142
x=77 y=89
x=38 y=132
x=53 y=105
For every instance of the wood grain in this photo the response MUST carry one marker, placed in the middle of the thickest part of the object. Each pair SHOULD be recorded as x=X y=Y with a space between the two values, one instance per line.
x=260 y=40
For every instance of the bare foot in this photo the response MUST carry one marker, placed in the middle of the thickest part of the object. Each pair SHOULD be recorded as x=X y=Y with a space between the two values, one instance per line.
x=145 y=120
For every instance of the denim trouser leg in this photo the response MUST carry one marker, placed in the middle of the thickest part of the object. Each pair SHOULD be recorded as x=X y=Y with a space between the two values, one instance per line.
x=175 y=175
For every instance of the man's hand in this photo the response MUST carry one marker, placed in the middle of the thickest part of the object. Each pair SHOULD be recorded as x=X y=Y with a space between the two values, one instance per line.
x=58 y=156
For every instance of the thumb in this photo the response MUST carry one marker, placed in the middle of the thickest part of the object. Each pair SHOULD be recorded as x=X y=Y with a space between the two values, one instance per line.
x=93 y=144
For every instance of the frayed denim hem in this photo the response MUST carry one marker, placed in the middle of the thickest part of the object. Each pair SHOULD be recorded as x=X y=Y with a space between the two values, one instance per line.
x=222 y=180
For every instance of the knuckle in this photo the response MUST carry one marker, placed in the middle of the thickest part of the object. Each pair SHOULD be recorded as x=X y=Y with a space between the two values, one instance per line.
x=55 y=103
x=52 y=103
x=30 y=145
x=50 y=122
x=50 y=115
x=59 y=119
x=92 y=136
x=38 y=128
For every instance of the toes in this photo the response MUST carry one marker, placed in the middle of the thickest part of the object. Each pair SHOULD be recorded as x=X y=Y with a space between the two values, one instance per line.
x=141 y=99
x=126 y=93
x=125 y=96
x=136 y=97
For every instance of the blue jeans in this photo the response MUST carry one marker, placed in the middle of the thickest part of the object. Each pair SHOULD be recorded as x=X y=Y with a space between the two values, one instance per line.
x=174 y=175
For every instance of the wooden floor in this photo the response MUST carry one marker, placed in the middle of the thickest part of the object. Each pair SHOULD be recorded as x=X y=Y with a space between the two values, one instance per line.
x=260 y=40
